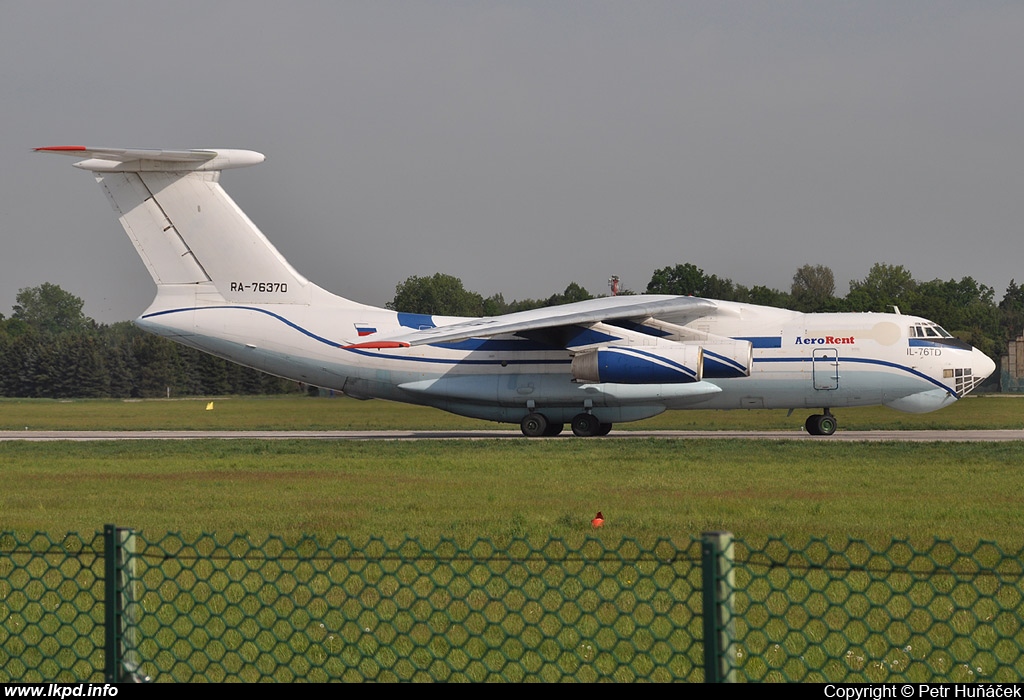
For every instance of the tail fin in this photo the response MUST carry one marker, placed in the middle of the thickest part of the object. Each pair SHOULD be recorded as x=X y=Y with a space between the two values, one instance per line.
x=186 y=228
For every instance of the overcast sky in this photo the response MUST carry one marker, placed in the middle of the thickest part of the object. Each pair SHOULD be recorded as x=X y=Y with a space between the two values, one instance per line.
x=521 y=146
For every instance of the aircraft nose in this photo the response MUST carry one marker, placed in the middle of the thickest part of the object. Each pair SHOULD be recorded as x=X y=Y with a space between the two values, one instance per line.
x=968 y=379
x=982 y=366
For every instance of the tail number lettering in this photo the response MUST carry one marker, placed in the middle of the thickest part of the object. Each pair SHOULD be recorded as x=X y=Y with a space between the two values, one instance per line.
x=260 y=287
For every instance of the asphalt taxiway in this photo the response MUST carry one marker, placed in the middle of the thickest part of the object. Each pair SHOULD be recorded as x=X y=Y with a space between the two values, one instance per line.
x=839 y=436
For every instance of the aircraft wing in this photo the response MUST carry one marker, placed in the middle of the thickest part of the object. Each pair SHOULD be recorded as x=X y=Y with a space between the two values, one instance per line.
x=618 y=308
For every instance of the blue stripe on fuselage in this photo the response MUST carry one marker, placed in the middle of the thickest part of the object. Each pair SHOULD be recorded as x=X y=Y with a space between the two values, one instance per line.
x=766 y=342
x=417 y=321
x=497 y=345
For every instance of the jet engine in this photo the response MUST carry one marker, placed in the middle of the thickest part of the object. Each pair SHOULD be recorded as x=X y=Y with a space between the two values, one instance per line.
x=724 y=358
x=629 y=365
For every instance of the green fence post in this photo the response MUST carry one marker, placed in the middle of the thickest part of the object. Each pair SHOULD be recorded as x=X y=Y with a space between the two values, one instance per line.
x=122 y=608
x=717 y=567
x=112 y=606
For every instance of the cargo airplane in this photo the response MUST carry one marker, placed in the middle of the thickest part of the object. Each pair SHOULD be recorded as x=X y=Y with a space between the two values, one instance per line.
x=224 y=289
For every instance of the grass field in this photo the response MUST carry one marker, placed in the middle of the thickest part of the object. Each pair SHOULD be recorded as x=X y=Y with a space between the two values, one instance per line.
x=393 y=617
x=491 y=488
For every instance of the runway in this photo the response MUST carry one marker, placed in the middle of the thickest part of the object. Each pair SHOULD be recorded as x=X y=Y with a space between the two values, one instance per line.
x=839 y=436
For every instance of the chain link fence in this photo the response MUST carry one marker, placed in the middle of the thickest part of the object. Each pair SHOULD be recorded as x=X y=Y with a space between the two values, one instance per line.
x=119 y=606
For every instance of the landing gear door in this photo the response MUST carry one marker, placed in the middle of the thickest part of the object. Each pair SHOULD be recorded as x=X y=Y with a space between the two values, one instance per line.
x=825 y=367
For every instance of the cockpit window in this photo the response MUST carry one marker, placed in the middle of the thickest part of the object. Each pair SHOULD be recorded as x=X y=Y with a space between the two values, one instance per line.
x=928 y=330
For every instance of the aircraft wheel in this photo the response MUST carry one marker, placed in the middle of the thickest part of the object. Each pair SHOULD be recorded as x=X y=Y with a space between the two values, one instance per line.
x=554 y=429
x=534 y=425
x=605 y=429
x=585 y=425
x=820 y=424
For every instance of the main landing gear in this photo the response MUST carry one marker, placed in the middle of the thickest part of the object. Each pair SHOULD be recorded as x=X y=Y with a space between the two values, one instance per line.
x=586 y=425
x=583 y=425
x=821 y=423
x=537 y=425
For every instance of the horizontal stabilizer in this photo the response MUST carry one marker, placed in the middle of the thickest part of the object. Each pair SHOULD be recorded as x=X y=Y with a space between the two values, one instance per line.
x=156 y=160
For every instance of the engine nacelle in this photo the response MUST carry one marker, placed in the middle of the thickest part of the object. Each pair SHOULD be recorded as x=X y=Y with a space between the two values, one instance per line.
x=727 y=358
x=724 y=358
x=626 y=365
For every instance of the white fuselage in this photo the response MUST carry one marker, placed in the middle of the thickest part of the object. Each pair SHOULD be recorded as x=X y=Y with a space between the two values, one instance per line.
x=799 y=360
x=222 y=287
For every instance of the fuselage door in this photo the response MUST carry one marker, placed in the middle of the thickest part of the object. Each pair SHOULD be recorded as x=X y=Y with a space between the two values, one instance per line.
x=825 y=366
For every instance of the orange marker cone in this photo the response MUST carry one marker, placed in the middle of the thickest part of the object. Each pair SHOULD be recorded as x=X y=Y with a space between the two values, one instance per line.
x=598 y=520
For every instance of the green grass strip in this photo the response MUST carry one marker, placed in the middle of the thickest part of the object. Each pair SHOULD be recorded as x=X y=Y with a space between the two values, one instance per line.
x=646 y=488
x=341 y=413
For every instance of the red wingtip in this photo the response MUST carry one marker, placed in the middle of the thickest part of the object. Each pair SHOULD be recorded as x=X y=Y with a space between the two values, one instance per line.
x=376 y=345
x=62 y=148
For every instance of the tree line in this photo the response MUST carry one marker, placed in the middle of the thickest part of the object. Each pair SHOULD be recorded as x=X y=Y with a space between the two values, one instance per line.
x=50 y=349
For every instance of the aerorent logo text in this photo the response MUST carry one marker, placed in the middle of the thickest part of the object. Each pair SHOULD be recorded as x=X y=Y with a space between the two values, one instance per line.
x=826 y=340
